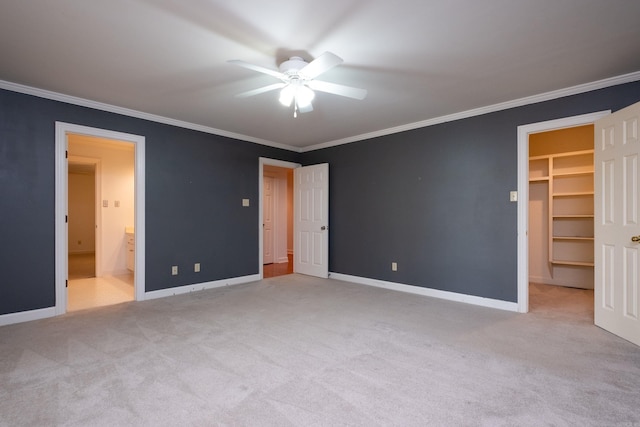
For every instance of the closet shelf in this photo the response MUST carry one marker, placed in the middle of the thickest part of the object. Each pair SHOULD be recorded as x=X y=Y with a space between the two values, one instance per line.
x=572 y=216
x=572 y=238
x=574 y=263
x=569 y=174
x=574 y=194
x=539 y=179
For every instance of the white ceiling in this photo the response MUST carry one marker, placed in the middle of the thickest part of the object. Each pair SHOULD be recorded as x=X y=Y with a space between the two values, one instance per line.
x=418 y=59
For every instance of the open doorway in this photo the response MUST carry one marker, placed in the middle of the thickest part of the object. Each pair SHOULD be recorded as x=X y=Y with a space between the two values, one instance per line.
x=82 y=201
x=107 y=259
x=276 y=217
x=555 y=215
x=277 y=220
x=561 y=227
x=101 y=209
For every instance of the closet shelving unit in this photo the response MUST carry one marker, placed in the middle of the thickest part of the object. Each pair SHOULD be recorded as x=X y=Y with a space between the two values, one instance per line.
x=570 y=179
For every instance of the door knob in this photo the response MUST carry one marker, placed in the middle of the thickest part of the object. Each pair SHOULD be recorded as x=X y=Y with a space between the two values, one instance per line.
x=635 y=239
x=324 y=227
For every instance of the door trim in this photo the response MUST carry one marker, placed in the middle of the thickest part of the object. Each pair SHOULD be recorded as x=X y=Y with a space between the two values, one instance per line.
x=523 y=191
x=262 y=161
x=61 y=201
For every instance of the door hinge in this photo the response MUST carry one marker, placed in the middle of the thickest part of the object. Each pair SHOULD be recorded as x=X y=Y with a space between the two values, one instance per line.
x=66 y=283
x=66 y=219
x=66 y=154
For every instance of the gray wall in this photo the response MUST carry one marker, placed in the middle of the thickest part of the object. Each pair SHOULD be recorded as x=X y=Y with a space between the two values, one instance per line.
x=194 y=186
x=436 y=200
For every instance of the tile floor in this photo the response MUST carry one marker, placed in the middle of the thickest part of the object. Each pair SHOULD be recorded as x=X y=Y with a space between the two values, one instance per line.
x=87 y=291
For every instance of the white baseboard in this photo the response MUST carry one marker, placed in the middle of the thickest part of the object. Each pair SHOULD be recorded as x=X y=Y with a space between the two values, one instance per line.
x=201 y=286
x=119 y=272
x=435 y=293
x=26 y=316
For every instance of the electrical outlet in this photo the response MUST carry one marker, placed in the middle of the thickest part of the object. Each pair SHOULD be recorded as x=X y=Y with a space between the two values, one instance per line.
x=174 y=270
x=196 y=267
x=245 y=202
x=394 y=266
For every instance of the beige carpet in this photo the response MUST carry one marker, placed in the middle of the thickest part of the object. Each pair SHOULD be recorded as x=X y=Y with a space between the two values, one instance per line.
x=298 y=351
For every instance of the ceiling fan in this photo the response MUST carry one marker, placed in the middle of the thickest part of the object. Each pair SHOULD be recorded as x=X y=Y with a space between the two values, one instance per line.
x=298 y=81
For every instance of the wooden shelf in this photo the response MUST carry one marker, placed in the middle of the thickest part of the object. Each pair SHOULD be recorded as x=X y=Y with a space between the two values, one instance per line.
x=574 y=263
x=572 y=238
x=570 y=174
x=575 y=194
x=539 y=179
x=570 y=200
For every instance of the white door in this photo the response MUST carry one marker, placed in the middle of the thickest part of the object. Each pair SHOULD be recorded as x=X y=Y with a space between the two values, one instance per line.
x=311 y=224
x=267 y=221
x=617 y=223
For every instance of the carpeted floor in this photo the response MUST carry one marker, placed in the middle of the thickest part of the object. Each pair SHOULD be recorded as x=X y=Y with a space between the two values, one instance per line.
x=300 y=351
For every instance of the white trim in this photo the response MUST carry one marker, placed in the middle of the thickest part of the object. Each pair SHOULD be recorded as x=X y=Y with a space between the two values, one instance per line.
x=547 y=96
x=428 y=292
x=26 y=316
x=523 y=192
x=271 y=162
x=61 y=190
x=47 y=94
x=573 y=90
x=162 y=293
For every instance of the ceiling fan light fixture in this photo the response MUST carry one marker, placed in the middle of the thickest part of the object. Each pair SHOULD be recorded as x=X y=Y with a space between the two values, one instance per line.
x=304 y=96
x=287 y=94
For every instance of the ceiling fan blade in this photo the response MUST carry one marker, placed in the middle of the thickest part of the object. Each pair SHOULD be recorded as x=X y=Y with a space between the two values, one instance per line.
x=257 y=68
x=321 y=64
x=336 y=89
x=260 y=90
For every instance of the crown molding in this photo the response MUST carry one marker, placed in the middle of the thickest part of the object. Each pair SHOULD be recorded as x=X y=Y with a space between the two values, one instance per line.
x=55 y=96
x=547 y=96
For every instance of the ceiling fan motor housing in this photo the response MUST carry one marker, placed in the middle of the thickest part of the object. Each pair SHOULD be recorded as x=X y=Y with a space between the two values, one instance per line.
x=292 y=66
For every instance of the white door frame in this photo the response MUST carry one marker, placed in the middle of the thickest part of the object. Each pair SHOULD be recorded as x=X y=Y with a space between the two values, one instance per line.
x=523 y=192
x=272 y=162
x=61 y=203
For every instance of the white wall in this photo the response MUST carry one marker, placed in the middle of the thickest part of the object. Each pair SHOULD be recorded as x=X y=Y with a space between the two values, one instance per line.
x=116 y=184
x=82 y=213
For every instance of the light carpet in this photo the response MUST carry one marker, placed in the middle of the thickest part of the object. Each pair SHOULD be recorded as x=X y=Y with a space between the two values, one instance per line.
x=300 y=351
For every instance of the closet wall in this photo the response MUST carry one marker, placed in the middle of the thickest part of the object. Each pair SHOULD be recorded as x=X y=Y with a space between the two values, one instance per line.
x=561 y=207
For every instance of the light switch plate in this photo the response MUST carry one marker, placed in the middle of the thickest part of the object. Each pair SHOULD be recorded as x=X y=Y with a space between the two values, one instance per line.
x=245 y=202
x=513 y=196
